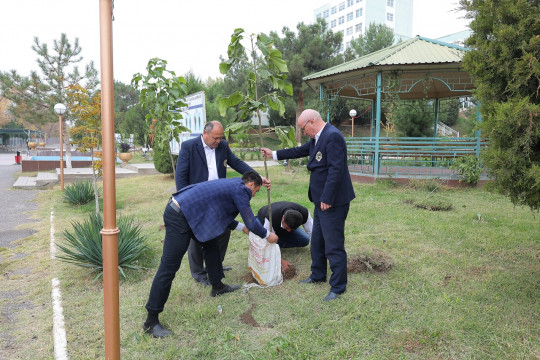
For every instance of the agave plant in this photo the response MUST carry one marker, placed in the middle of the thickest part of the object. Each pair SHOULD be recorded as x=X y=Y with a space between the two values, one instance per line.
x=79 y=193
x=84 y=249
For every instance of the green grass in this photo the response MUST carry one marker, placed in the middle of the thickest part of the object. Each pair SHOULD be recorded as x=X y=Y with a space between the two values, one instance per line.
x=461 y=286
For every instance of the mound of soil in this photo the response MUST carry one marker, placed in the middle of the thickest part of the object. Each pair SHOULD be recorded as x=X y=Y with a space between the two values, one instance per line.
x=287 y=269
x=376 y=260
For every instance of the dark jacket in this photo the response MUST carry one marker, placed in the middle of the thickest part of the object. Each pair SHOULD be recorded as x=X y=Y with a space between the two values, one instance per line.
x=278 y=210
x=191 y=167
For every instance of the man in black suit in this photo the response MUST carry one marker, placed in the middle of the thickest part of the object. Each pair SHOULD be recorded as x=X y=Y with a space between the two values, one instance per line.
x=201 y=159
x=330 y=189
x=287 y=217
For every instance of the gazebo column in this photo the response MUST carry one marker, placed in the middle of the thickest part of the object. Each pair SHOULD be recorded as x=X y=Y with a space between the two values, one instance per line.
x=436 y=118
x=377 y=123
x=372 y=127
x=321 y=98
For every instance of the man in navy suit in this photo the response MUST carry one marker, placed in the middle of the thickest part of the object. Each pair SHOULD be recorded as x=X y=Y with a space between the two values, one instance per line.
x=201 y=159
x=330 y=189
x=202 y=212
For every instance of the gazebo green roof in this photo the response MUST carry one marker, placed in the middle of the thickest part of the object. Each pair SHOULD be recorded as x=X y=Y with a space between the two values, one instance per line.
x=412 y=60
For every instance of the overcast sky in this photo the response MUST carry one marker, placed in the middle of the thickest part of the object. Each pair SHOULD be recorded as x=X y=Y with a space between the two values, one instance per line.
x=190 y=35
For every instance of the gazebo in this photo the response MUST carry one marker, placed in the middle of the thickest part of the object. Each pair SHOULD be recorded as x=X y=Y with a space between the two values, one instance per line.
x=418 y=68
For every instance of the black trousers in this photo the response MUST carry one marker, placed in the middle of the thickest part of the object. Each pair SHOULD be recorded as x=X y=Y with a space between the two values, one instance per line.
x=178 y=234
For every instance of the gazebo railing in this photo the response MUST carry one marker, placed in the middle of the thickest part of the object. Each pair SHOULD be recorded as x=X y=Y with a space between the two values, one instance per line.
x=408 y=157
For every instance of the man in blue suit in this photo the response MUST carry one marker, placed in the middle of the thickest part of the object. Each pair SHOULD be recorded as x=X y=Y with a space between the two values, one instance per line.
x=202 y=212
x=330 y=189
x=201 y=159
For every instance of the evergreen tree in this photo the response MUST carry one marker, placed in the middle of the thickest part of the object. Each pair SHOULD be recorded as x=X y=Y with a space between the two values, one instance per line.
x=504 y=63
x=34 y=96
x=377 y=37
x=312 y=48
x=414 y=118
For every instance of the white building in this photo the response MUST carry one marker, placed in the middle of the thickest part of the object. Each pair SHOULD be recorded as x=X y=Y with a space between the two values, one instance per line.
x=352 y=17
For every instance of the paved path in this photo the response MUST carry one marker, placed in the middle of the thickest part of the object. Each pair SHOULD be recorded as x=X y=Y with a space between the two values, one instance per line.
x=15 y=204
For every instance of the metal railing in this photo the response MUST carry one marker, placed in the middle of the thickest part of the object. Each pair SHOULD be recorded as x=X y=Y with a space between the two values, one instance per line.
x=408 y=157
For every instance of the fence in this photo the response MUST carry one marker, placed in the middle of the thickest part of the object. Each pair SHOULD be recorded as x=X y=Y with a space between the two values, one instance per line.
x=408 y=157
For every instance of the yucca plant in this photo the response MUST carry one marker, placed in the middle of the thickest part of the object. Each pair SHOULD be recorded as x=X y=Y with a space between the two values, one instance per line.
x=79 y=193
x=84 y=249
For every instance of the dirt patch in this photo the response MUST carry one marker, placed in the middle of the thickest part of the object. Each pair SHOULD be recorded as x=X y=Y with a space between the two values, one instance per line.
x=287 y=269
x=374 y=260
x=430 y=204
x=247 y=318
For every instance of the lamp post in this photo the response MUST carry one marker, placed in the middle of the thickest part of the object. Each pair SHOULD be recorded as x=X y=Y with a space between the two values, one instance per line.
x=352 y=113
x=60 y=109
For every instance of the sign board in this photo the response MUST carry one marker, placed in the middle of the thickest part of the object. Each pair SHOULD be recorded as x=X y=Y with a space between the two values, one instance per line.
x=194 y=118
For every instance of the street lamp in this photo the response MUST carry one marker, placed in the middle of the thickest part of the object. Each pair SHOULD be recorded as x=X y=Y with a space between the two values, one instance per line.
x=352 y=114
x=60 y=109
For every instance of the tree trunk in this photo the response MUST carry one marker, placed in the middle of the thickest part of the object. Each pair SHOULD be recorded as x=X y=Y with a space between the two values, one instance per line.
x=68 y=146
x=96 y=195
x=299 y=109
x=172 y=161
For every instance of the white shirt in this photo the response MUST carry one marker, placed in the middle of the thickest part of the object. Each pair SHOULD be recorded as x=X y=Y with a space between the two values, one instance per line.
x=210 y=161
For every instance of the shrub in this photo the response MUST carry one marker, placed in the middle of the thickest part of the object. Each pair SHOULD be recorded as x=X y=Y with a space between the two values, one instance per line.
x=468 y=167
x=84 y=247
x=124 y=147
x=162 y=161
x=79 y=193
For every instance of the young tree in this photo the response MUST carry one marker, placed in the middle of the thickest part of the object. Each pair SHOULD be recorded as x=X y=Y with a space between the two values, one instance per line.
x=267 y=70
x=162 y=96
x=504 y=62
x=377 y=37
x=86 y=110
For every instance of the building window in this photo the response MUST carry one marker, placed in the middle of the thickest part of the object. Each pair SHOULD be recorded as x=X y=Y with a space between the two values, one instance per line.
x=390 y=3
x=357 y=1
x=341 y=48
x=326 y=14
x=350 y=3
x=333 y=23
x=334 y=10
x=389 y=16
x=341 y=20
x=359 y=12
x=349 y=30
x=349 y=16
x=342 y=6
x=348 y=45
x=358 y=27
x=318 y=15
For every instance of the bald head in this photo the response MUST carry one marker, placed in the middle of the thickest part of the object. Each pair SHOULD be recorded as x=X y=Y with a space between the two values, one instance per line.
x=310 y=122
x=212 y=133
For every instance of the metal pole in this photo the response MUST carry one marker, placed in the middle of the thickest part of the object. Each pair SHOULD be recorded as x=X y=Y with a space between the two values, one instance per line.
x=110 y=231
x=352 y=128
x=376 y=163
x=61 y=153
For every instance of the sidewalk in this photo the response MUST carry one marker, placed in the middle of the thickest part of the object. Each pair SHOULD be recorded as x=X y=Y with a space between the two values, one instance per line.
x=47 y=179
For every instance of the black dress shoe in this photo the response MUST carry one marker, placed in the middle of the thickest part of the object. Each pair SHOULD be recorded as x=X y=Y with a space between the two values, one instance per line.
x=331 y=296
x=157 y=331
x=227 y=268
x=203 y=281
x=226 y=289
x=310 y=281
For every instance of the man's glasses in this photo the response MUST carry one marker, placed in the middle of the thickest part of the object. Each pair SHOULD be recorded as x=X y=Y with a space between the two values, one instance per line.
x=304 y=127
